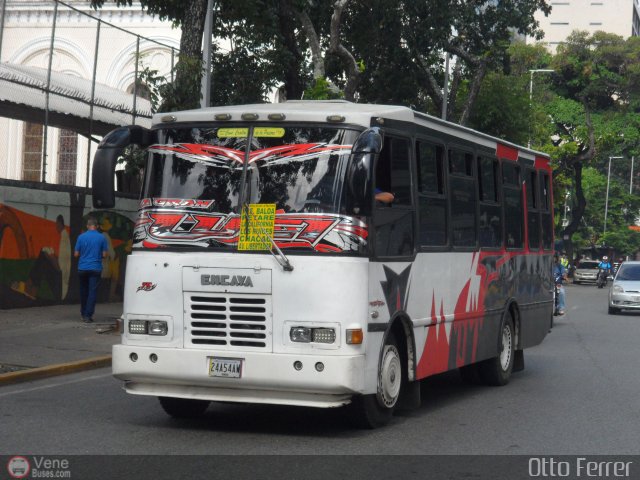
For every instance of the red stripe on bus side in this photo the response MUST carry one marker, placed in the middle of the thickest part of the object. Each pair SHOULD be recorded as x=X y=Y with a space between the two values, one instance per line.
x=509 y=153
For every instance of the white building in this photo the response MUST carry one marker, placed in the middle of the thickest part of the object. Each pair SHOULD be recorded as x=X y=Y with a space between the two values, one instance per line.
x=614 y=16
x=26 y=31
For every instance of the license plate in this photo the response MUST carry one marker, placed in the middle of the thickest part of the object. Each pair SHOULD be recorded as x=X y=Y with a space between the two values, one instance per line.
x=225 y=367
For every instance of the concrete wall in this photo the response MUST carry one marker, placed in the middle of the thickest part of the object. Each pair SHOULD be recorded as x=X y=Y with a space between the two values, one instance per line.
x=39 y=225
x=613 y=16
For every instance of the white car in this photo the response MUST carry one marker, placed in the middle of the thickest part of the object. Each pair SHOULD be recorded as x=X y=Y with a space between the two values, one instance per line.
x=625 y=290
x=586 y=271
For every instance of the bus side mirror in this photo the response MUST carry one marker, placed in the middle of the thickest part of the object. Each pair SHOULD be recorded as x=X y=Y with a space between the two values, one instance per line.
x=360 y=171
x=104 y=164
x=369 y=141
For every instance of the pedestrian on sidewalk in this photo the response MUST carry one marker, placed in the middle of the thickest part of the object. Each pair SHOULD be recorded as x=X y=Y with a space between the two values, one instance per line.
x=91 y=248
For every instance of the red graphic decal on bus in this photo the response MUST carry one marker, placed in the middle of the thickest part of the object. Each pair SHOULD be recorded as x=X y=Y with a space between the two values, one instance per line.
x=146 y=286
x=205 y=153
x=446 y=350
x=319 y=232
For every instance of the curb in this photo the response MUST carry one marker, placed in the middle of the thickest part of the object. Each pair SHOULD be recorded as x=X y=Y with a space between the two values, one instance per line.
x=54 y=370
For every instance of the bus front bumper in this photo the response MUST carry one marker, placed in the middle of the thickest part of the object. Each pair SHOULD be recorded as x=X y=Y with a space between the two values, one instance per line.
x=264 y=378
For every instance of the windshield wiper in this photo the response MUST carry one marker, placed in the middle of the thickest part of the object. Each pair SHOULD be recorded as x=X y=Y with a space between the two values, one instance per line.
x=280 y=257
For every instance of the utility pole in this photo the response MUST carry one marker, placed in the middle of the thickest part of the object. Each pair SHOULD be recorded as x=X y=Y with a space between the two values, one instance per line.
x=205 y=85
x=606 y=202
x=535 y=70
x=445 y=92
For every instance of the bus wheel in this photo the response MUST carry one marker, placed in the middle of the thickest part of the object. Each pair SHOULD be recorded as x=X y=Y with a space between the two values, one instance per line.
x=497 y=371
x=375 y=410
x=183 y=407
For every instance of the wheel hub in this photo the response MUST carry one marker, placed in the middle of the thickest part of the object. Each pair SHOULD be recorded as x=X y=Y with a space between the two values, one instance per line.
x=505 y=353
x=390 y=377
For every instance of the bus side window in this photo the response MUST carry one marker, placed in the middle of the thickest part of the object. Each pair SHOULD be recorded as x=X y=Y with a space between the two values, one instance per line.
x=545 y=208
x=393 y=172
x=432 y=200
x=463 y=198
x=490 y=228
x=513 y=213
x=533 y=209
x=395 y=226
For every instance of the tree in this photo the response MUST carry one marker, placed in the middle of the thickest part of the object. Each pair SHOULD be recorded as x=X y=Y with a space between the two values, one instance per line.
x=190 y=16
x=333 y=46
x=591 y=90
x=478 y=34
x=622 y=211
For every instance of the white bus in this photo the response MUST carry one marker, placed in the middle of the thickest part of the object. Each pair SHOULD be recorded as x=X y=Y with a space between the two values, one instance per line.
x=264 y=270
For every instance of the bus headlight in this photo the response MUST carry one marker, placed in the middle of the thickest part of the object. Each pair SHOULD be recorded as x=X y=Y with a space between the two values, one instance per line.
x=323 y=335
x=312 y=335
x=138 y=327
x=158 y=327
x=300 y=334
x=148 y=327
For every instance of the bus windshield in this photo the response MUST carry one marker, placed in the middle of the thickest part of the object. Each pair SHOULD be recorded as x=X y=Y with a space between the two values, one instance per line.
x=300 y=169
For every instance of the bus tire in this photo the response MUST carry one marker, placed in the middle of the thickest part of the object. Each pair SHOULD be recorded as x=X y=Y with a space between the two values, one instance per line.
x=496 y=371
x=183 y=407
x=375 y=410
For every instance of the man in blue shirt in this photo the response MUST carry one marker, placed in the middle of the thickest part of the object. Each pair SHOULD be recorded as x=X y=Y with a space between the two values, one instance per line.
x=559 y=275
x=605 y=265
x=91 y=248
x=603 y=273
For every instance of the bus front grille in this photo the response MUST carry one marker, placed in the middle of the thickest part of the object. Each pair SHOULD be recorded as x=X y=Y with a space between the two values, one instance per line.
x=227 y=321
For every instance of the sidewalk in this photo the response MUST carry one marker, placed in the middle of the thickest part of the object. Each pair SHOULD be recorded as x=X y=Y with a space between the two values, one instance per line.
x=43 y=341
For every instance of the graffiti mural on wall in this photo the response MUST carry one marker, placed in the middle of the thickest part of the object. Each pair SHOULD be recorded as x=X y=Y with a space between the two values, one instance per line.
x=37 y=266
x=37 y=255
x=117 y=230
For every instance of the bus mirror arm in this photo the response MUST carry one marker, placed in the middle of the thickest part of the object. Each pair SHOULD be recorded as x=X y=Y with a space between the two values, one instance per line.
x=359 y=171
x=104 y=166
x=106 y=157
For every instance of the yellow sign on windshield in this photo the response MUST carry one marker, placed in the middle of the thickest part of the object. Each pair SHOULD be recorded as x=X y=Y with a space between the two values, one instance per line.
x=256 y=226
x=270 y=132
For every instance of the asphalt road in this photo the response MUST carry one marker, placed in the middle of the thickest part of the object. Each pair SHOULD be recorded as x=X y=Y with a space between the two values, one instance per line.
x=577 y=395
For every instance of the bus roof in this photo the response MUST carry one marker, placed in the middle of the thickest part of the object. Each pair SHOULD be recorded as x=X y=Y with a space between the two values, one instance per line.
x=353 y=113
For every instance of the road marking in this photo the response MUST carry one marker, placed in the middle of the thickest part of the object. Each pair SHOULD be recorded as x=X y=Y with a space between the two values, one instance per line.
x=53 y=385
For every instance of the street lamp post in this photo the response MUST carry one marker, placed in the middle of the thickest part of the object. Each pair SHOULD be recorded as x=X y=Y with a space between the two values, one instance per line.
x=606 y=201
x=532 y=71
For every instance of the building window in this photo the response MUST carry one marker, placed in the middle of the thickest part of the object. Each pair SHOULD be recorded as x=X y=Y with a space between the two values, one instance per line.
x=32 y=152
x=67 y=157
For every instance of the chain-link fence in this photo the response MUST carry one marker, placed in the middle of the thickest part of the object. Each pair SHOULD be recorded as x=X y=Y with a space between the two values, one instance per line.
x=67 y=77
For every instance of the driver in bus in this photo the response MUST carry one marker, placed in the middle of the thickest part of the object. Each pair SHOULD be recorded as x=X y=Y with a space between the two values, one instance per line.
x=384 y=197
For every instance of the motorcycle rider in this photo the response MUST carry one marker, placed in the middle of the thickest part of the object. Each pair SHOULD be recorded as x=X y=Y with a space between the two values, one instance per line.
x=559 y=275
x=605 y=268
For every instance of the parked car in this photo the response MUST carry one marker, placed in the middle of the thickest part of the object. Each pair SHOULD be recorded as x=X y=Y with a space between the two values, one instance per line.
x=586 y=271
x=625 y=290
